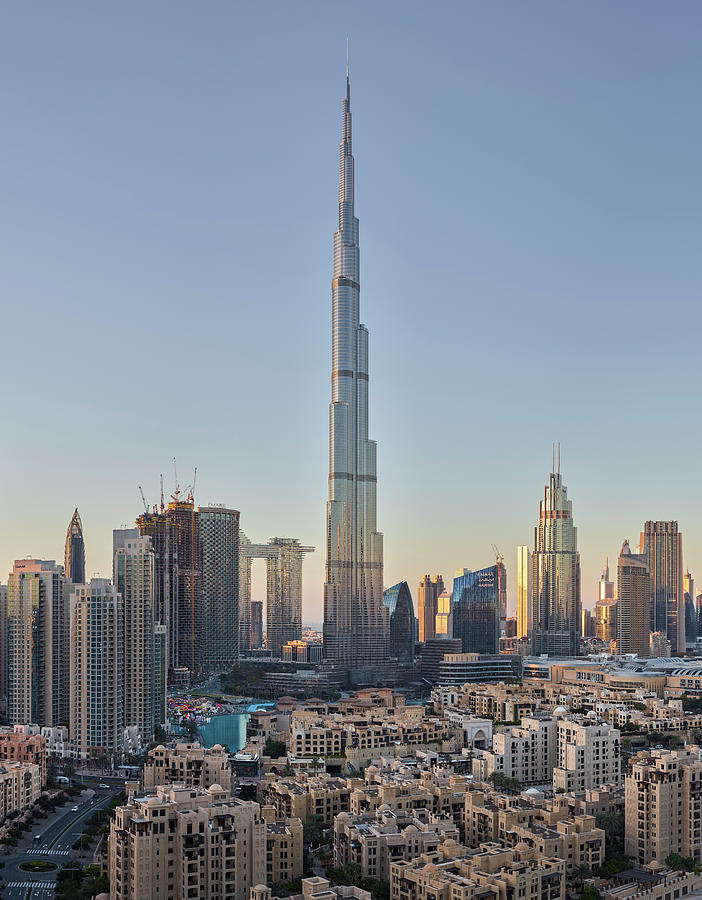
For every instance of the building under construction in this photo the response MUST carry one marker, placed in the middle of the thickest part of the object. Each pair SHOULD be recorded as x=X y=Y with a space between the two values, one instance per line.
x=178 y=600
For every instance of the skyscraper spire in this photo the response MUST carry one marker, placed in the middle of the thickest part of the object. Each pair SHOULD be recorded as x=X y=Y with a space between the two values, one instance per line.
x=354 y=616
x=74 y=555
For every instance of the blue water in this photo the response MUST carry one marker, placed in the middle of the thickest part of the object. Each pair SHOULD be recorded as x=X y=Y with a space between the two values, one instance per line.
x=230 y=731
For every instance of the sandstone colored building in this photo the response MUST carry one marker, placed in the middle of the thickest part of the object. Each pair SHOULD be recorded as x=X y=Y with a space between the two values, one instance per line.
x=189 y=764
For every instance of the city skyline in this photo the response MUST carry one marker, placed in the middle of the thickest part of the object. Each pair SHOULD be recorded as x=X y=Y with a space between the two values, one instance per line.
x=438 y=484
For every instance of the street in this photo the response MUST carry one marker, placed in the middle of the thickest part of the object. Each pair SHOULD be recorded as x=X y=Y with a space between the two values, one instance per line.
x=56 y=844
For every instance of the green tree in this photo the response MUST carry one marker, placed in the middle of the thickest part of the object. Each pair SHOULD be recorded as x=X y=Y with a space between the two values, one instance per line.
x=274 y=749
x=590 y=892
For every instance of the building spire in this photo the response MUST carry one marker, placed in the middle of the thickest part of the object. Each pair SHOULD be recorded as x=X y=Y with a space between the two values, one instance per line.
x=348 y=60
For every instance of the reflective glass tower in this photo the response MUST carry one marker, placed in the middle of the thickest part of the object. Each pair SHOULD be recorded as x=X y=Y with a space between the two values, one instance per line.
x=398 y=601
x=355 y=620
x=477 y=600
x=556 y=574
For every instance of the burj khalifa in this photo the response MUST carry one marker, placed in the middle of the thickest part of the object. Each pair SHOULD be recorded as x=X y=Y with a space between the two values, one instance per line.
x=355 y=623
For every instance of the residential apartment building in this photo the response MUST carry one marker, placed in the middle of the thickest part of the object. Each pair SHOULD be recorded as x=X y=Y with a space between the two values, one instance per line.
x=133 y=577
x=284 y=847
x=577 y=841
x=588 y=754
x=96 y=720
x=219 y=533
x=20 y=787
x=663 y=797
x=191 y=765
x=36 y=631
x=17 y=746
x=374 y=841
x=526 y=752
x=304 y=797
x=490 y=872
x=186 y=842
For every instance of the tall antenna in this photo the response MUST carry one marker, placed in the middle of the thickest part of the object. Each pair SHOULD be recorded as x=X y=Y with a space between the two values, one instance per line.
x=559 y=457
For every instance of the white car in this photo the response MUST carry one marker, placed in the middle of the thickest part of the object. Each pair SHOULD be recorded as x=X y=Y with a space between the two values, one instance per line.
x=104 y=786
x=74 y=809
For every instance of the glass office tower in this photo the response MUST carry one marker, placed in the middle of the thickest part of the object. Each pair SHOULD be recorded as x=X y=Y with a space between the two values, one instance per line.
x=476 y=608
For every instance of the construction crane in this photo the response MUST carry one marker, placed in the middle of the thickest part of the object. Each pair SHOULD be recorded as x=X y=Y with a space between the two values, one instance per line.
x=499 y=558
x=143 y=500
x=162 y=504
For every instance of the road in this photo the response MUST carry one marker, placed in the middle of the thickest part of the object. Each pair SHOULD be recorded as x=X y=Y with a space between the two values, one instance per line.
x=56 y=846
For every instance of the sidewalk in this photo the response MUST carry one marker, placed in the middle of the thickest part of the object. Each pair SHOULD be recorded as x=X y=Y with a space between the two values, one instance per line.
x=27 y=840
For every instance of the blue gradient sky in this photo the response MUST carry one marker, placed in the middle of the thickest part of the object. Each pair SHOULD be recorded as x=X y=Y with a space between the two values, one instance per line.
x=528 y=187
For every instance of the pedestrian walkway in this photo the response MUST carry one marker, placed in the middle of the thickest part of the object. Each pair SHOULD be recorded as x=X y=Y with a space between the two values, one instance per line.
x=36 y=885
x=38 y=851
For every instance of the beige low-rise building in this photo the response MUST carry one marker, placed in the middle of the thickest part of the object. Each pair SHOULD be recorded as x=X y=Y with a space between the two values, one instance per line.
x=489 y=872
x=526 y=752
x=374 y=841
x=20 y=787
x=284 y=848
x=19 y=746
x=577 y=841
x=319 y=797
x=653 y=883
x=186 y=842
x=190 y=764
x=663 y=797
x=588 y=754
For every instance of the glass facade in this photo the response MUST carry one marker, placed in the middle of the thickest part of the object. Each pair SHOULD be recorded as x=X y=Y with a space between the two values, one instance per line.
x=219 y=528
x=74 y=555
x=662 y=543
x=476 y=608
x=398 y=601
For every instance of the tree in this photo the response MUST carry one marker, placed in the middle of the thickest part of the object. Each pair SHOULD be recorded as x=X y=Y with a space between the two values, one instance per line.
x=274 y=749
x=681 y=863
x=247 y=792
x=612 y=823
x=590 y=892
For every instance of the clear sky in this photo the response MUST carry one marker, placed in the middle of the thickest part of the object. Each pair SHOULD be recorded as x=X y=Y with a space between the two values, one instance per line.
x=529 y=195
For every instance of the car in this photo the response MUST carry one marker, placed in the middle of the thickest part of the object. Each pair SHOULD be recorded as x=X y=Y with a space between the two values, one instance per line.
x=104 y=787
x=74 y=809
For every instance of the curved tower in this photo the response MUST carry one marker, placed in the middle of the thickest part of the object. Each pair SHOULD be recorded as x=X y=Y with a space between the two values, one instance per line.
x=355 y=621
x=74 y=555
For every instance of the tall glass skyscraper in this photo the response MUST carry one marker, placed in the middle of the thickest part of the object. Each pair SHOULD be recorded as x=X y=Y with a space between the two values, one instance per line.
x=555 y=575
x=219 y=531
x=477 y=600
x=523 y=591
x=355 y=620
x=74 y=555
x=662 y=543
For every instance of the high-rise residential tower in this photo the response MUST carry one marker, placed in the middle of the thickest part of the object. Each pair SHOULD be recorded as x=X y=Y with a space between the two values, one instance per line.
x=523 y=591
x=219 y=529
x=477 y=600
x=97 y=670
x=37 y=643
x=556 y=574
x=427 y=605
x=633 y=607
x=355 y=620
x=74 y=555
x=662 y=543
x=133 y=577
x=691 y=631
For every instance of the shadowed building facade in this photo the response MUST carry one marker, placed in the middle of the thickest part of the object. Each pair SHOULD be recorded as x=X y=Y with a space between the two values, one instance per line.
x=219 y=531
x=662 y=544
x=427 y=605
x=355 y=620
x=477 y=600
x=398 y=601
x=555 y=575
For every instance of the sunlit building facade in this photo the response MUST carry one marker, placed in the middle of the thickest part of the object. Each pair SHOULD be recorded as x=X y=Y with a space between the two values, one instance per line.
x=555 y=575
x=523 y=591
x=443 y=621
x=355 y=619
x=477 y=600
x=606 y=620
x=427 y=605
x=633 y=606
x=398 y=602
